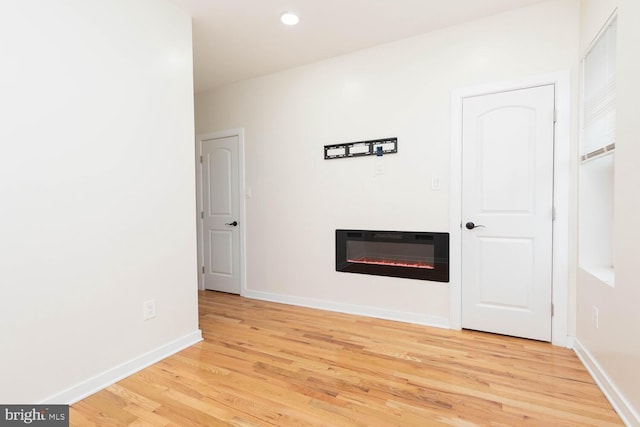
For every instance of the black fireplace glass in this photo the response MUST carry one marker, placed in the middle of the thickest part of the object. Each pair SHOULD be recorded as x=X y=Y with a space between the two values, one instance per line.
x=385 y=253
x=413 y=255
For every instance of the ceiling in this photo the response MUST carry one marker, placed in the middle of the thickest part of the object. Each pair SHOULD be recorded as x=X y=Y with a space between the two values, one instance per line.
x=235 y=40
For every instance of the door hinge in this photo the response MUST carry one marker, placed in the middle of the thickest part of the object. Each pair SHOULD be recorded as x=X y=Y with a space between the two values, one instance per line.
x=202 y=214
x=553 y=310
x=203 y=269
x=555 y=115
x=553 y=213
x=200 y=159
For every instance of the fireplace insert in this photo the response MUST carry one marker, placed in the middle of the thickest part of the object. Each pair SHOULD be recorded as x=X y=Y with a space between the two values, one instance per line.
x=408 y=254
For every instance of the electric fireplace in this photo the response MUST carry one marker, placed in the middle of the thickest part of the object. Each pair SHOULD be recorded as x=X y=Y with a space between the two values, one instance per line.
x=413 y=255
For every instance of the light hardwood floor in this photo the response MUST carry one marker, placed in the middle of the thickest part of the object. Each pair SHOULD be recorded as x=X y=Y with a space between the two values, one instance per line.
x=267 y=364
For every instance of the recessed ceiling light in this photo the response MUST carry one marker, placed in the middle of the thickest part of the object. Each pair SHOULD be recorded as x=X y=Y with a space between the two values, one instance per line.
x=289 y=18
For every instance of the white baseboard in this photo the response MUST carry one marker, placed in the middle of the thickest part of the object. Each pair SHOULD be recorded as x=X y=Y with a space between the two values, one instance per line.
x=117 y=373
x=622 y=406
x=379 y=313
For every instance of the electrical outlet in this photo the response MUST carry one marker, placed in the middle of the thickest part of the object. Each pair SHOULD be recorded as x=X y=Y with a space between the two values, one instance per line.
x=149 y=309
x=595 y=316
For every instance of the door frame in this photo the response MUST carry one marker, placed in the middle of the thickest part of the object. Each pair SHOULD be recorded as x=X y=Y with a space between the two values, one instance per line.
x=561 y=196
x=199 y=208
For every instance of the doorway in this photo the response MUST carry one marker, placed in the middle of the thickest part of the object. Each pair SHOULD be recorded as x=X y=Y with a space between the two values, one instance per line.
x=507 y=210
x=474 y=248
x=221 y=216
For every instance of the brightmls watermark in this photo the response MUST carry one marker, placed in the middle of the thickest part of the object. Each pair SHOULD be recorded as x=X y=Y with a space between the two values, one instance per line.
x=34 y=415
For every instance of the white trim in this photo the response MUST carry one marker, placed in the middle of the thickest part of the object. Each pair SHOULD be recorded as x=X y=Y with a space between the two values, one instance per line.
x=94 y=384
x=199 y=227
x=243 y=217
x=361 y=310
x=619 y=402
x=561 y=195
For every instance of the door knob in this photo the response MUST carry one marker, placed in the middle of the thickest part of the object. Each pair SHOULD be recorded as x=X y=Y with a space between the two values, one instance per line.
x=233 y=224
x=471 y=226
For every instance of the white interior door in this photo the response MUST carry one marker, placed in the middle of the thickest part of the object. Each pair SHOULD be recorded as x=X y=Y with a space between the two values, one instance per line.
x=221 y=214
x=507 y=210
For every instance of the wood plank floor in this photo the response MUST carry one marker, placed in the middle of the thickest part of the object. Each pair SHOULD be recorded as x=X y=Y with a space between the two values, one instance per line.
x=267 y=364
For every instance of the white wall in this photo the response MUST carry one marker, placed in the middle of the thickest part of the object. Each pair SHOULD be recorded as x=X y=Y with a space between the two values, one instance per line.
x=96 y=189
x=613 y=349
x=401 y=89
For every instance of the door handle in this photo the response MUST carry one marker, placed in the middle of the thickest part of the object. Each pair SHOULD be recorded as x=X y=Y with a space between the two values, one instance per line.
x=233 y=224
x=471 y=226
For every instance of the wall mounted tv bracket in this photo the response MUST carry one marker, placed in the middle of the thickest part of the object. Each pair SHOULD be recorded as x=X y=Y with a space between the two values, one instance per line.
x=376 y=147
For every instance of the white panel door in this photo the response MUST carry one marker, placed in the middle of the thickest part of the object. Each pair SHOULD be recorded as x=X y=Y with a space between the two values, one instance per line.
x=221 y=210
x=507 y=208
